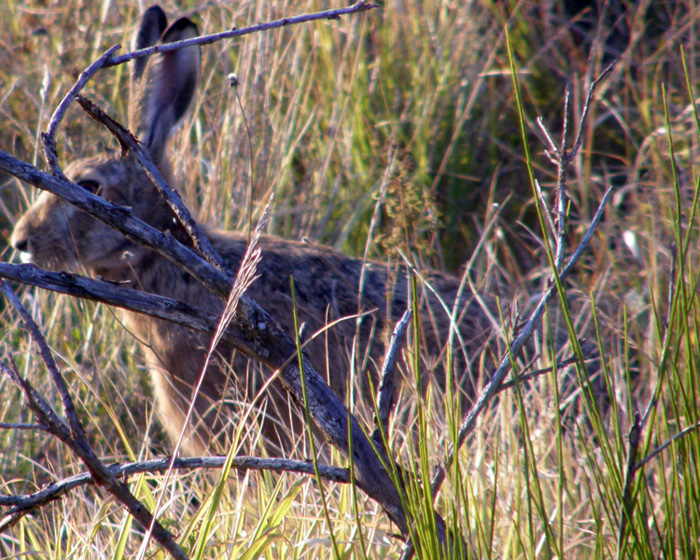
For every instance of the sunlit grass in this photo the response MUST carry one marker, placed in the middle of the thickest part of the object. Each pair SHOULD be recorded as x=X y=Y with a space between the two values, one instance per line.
x=328 y=104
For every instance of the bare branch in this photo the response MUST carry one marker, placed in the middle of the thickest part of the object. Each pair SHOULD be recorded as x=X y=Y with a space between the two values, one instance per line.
x=22 y=426
x=524 y=377
x=49 y=137
x=111 y=294
x=387 y=385
x=47 y=416
x=79 y=445
x=259 y=337
x=361 y=6
x=561 y=182
x=47 y=357
x=562 y=158
x=586 y=109
x=680 y=435
x=26 y=504
x=504 y=367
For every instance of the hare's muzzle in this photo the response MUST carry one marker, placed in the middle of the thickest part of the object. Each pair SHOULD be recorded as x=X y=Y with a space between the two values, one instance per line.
x=21 y=243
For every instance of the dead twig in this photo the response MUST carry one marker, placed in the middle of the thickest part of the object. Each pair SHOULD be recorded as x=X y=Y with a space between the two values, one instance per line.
x=76 y=427
x=563 y=159
x=49 y=137
x=387 y=385
x=357 y=7
x=661 y=448
x=517 y=345
x=108 y=60
x=23 y=505
x=99 y=472
x=253 y=332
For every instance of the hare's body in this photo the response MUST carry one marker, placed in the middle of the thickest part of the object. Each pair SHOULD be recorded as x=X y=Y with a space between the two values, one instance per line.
x=328 y=285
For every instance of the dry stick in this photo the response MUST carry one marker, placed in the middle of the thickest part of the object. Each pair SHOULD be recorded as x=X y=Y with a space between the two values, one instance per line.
x=560 y=158
x=107 y=60
x=666 y=445
x=26 y=504
x=563 y=166
x=564 y=159
x=259 y=337
x=504 y=367
x=113 y=294
x=100 y=473
x=586 y=109
x=234 y=83
x=49 y=137
x=358 y=7
x=118 y=295
x=121 y=219
x=524 y=377
x=76 y=427
x=46 y=415
x=387 y=385
x=325 y=405
x=75 y=438
x=22 y=426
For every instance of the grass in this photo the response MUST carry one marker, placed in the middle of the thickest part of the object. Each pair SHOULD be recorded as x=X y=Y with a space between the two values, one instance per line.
x=329 y=106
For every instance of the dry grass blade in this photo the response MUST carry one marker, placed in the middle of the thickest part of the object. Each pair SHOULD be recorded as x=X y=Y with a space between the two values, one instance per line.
x=321 y=108
x=74 y=438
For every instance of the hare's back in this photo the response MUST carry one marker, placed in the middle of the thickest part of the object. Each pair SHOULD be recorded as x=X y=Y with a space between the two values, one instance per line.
x=330 y=286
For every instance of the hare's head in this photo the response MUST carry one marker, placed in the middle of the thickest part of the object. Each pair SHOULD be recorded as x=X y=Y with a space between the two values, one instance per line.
x=53 y=233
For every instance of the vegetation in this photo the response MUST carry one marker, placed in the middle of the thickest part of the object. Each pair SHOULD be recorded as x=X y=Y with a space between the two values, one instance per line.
x=413 y=104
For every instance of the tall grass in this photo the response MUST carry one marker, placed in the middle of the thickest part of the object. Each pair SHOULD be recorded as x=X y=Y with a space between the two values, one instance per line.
x=417 y=97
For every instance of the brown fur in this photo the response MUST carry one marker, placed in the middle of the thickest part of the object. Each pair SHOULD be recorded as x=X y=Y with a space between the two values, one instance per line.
x=54 y=234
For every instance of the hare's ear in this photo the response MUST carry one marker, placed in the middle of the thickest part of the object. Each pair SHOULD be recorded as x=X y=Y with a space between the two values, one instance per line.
x=153 y=24
x=164 y=86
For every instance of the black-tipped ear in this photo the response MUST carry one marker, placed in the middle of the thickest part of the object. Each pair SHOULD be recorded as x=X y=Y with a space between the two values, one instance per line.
x=153 y=24
x=163 y=90
x=186 y=62
x=183 y=28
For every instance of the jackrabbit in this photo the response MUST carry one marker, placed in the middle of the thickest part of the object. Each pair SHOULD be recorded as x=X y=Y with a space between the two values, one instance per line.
x=56 y=235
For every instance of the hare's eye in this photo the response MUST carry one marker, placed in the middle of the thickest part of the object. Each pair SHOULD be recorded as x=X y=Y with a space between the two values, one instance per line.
x=89 y=185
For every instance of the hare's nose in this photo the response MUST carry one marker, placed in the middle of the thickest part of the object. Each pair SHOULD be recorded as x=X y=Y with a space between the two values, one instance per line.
x=22 y=245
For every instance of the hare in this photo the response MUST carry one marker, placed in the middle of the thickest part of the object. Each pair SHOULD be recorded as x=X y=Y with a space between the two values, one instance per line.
x=56 y=235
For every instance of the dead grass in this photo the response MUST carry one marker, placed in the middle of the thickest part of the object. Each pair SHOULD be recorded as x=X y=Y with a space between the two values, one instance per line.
x=325 y=104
